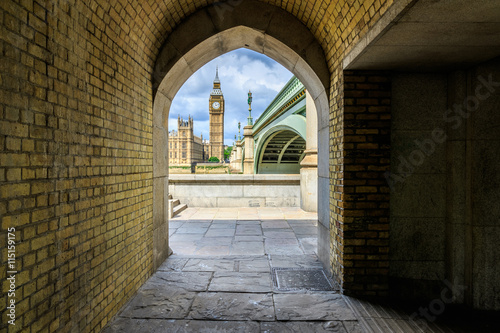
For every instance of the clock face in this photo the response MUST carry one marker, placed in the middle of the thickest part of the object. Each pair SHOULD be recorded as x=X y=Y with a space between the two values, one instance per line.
x=216 y=105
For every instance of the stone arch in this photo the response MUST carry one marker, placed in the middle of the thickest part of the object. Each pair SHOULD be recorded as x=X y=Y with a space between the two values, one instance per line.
x=209 y=33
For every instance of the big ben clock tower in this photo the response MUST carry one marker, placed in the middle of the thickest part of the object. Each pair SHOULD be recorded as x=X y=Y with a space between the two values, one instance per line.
x=216 y=112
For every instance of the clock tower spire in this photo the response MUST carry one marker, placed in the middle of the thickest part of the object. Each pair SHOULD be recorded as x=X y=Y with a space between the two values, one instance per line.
x=216 y=119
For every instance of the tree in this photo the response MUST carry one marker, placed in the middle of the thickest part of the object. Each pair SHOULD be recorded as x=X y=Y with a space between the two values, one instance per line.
x=214 y=159
x=227 y=152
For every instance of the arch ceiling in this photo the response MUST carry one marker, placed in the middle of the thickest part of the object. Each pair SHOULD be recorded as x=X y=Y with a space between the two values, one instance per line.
x=149 y=22
x=209 y=33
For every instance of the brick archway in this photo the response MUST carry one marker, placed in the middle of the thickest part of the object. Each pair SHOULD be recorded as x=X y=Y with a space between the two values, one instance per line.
x=210 y=33
x=78 y=84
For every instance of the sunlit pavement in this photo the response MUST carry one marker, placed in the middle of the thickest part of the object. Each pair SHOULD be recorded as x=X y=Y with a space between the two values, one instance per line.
x=243 y=231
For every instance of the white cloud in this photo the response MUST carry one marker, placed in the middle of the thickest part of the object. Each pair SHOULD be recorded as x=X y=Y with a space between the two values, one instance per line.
x=239 y=71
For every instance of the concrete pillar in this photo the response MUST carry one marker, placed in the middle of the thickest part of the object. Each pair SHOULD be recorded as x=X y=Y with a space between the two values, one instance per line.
x=161 y=249
x=309 y=164
x=236 y=164
x=249 y=150
x=232 y=157
x=238 y=150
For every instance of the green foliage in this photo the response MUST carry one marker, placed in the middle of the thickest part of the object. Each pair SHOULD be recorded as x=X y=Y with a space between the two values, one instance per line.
x=227 y=152
x=179 y=167
x=214 y=159
x=210 y=167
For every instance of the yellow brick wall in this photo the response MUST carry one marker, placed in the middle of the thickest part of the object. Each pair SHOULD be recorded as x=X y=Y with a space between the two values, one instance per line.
x=76 y=161
x=76 y=144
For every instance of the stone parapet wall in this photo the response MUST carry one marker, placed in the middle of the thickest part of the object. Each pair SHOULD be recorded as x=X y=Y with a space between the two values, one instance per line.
x=236 y=190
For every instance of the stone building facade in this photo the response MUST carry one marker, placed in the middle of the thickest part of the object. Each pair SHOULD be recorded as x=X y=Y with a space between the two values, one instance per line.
x=185 y=148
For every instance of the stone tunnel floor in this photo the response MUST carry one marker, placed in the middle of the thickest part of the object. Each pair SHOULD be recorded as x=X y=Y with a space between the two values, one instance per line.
x=255 y=270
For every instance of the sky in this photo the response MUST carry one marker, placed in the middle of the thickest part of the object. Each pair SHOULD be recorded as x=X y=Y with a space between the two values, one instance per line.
x=239 y=71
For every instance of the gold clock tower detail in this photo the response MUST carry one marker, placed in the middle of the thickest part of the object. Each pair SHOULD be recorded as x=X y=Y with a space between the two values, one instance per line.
x=216 y=112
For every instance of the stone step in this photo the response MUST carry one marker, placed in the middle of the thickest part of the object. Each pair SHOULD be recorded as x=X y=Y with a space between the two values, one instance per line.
x=179 y=209
x=175 y=202
x=170 y=197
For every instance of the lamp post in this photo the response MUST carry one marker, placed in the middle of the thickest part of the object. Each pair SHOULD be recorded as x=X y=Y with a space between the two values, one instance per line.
x=250 y=119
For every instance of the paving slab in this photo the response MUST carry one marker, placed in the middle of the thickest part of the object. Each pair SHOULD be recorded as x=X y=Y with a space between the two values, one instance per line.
x=278 y=246
x=221 y=232
x=173 y=264
x=233 y=306
x=183 y=247
x=309 y=245
x=225 y=221
x=283 y=246
x=247 y=248
x=208 y=265
x=203 y=215
x=213 y=326
x=132 y=325
x=187 y=213
x=273 y=233
x=292 y=250
x=199 y=220
x=275 y=224
x=241 y=282
x=303 y=261
x=248 y=230
x=158 y=302
x=305 y=230
x=249 y=222
x=197 y=224
x=248 y=217
x=175 y=224
x=281 y=241
x=213 y=250
x=191 y=230
x=215 y=241
x=190 y=281
x=353 y=326
x=302 y=222
x=248 y=239
x=185 y=237
x=230 y=215
x=303 y=327
x=231 y=225
x=313 y=306
x=259 y=264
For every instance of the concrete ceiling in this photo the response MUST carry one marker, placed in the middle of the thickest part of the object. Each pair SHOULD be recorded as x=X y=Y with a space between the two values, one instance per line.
x=431 y=35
